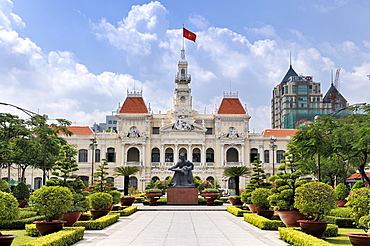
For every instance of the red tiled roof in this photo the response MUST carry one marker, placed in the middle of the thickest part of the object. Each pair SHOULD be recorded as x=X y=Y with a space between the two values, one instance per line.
x=134 y=105
x=80 y=130
x=279 y=132
x=231 y=106
x=357 y=176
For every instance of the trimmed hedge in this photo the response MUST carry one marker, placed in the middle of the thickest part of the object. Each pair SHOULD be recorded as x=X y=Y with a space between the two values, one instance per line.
x=237 y=211
x=296 y=237
x=262 y=222
x=126 y=211
x=341 y=222
x=100 y=223
x=18 y=224
x=23 y=214
x=341 y=212
x=67 y=236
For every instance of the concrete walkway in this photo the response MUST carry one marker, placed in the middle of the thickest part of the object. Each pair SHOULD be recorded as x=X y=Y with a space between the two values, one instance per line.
x=181 y=225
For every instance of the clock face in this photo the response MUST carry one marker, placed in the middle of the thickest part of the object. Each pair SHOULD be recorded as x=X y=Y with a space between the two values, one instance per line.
x=182 y=99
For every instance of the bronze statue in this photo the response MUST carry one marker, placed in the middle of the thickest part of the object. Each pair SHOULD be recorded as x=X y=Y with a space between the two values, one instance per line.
x=183 y=177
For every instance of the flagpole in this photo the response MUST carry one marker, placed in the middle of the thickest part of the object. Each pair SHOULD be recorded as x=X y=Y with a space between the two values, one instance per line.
x=183 y=38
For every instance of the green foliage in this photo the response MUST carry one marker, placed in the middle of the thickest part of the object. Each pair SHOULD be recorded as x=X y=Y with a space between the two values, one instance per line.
x=4 y=187
x=101 y=182
x=8 y=207
x=341 y=212
x=21 y=192
x=67 y=236
x=116 y=195
x=67 y=164
x=126 y=172
x=237 y=211
x=341 y=191
x=100 y=200
x=262 y=222
x=364 y=223
x=315 y=200
x=126 y=211
x=259 y=198
x=52 y=201
x=293 y=236
x=153 y=190
x=19 y=223
x=340 y=222
x=359 y=203
x=357 y=185
x=236 y=172
x=210 y=191
x=100 y=223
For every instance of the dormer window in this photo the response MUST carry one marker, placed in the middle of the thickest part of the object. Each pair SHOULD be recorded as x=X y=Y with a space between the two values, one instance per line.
x=182 y=72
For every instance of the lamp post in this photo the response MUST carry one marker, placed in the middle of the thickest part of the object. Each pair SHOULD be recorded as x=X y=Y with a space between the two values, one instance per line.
x=273 y=146
x=93 y=145
x=142 y=180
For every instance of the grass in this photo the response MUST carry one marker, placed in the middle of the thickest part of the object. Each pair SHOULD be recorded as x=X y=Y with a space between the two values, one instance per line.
x=342 y=239
x=22 y=237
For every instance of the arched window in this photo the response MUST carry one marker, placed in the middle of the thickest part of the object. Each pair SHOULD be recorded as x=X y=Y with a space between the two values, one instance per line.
x=280 y=156
x=196 y=155
x=182 y=73
x=210 y=155
x=155 y=178
x=111 y=155
x=183 y=150
x=266 y=154
x=231 y=183
x=133 y=155
x=82 y=155
x=254 y=154
x=211 y=179
x=133 y=182
x=168 y=178
x=169 y=155
x=155 y=155
x=97 y=155
x=37 y=183
x=232 y=155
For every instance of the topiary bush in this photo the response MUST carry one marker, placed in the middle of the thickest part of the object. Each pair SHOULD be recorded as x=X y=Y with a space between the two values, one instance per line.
x=100 y=201
x=341 y=191
x=21 y=192
x=116 y=195
x=8 y=207
x=315 y=200
x=52 y=201
x=259 y=198
x=357 y=185
x=359 y=203
x=4 y=187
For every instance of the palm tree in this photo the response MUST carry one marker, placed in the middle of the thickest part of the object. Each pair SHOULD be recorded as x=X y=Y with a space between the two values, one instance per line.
x=126 y=172
x=236 y=172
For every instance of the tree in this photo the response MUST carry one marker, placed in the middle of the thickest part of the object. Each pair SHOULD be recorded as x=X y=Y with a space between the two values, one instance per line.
x=101 y=182
x=67 y=164
x=236 y=172
x=126 y=172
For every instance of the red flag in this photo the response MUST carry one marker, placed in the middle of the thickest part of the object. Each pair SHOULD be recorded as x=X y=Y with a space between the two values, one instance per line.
x=189 y=35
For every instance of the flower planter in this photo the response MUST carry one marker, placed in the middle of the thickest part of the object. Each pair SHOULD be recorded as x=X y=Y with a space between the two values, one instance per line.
x=99 y=213
x=127 y=201
x=22 y=204
x=235 y=201
x=341 y=203
x=359 y=239
x=6 y=239
x=45 y=228
x=290 y=217
x=71 y=218
x=252 y=208
x=85 y=217
x=314 y=228
x=265 y=213
x=210 y=198
x=153 y=197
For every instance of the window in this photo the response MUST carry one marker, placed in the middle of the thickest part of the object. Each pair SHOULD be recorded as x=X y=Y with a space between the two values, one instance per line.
x=110 y=122
x=84 y=179
x=155 y=130
x=267 y=156
x=310 y=88
x=210 y=155
x=254 y=154
x=294 y=89
x=111 y=155
x=209 y=131
x=286 y=89
x=82 y=155
x=155 y=155
x=182 y=73
x=37 y=183
x=169 y=157
x=133 y=182
x=280 y=156
x=302 y=89
x=97 y=155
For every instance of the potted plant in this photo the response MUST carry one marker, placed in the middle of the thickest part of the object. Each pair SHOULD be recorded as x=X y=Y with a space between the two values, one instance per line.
x=341 y=193
x=100 y=203
x=153 y=195
x=22 y=193
x=259 y=200
x=236 y=172
x=283 y=191
x=8 y=211
x=359 y=203
x=314 y=200
x=116 y=196
x=51 y=202
x=210 y=195
x=126 y=172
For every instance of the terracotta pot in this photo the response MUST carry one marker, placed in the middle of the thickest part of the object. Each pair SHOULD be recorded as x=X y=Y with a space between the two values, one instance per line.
x=116 y=207
x=210 y=198
x=21 y=204
x=6 y=239
x=45 y=228
x=341 y=203
x=71 y=218
x=265 y=213
x=359 y=239
x=127 y=201
x=314 y=228
x=235 y=201
x=85 y=217
x=290 y=217
x=99 y=213
x=153 y=197
x=252 y=208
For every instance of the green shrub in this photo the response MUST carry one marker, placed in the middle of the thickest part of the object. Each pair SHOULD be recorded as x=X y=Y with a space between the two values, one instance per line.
x=8 y=206
x=100 y=200
x=359 y=203
x=341 y=212
x=262 y=222
x=259 y=198
x=126 y=211
x=100 y=223
x=357 y=185
x=21 y=192
x=341 y=191
x=67 y=236
x=315 y=200
x=116 y=195
x=20 y=223
x=340 y=222
x=296 y=237
x=4 y=187
x=51 y=201
x=236 y=211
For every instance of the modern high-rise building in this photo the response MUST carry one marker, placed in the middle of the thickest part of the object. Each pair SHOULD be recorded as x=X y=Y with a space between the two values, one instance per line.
x=297 y=99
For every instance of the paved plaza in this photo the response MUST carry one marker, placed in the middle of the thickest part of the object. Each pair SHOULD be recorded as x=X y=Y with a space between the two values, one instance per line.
x=181 y=225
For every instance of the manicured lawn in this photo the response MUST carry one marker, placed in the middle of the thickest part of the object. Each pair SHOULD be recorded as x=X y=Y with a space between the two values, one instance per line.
x=21 y=239
x=342 y=239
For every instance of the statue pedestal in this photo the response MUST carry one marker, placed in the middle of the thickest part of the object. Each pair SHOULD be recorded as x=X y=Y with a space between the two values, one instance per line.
x=182 y=196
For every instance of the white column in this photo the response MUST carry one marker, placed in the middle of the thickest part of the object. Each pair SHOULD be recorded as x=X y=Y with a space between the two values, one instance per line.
x=243 y=156
x=203 y=156
x=222 y=155
x=176 y=153
x=162 y=155
x=190 y=153
x=123 y=154
x=143 y=155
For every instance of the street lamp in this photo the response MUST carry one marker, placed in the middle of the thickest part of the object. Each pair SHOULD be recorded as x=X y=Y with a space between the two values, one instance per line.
x=142 y=180
x=273 y=146
x=93 y=145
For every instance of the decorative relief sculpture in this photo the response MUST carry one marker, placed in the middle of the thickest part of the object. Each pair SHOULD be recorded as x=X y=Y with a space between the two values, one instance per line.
x=133 y=132
x=181 y=124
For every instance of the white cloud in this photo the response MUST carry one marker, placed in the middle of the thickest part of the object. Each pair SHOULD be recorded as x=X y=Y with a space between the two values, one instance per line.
x=199 y=21
x=266 y=31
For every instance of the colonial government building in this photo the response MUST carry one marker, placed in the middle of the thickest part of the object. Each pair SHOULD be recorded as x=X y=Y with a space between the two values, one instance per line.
x=153 y=141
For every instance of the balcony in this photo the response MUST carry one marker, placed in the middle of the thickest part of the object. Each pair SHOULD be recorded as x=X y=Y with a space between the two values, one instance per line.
x=133 y=163
x=233 y=164
x=156 y=164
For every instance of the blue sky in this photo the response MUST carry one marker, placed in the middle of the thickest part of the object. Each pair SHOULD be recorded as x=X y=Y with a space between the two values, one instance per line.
x=77 y=59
